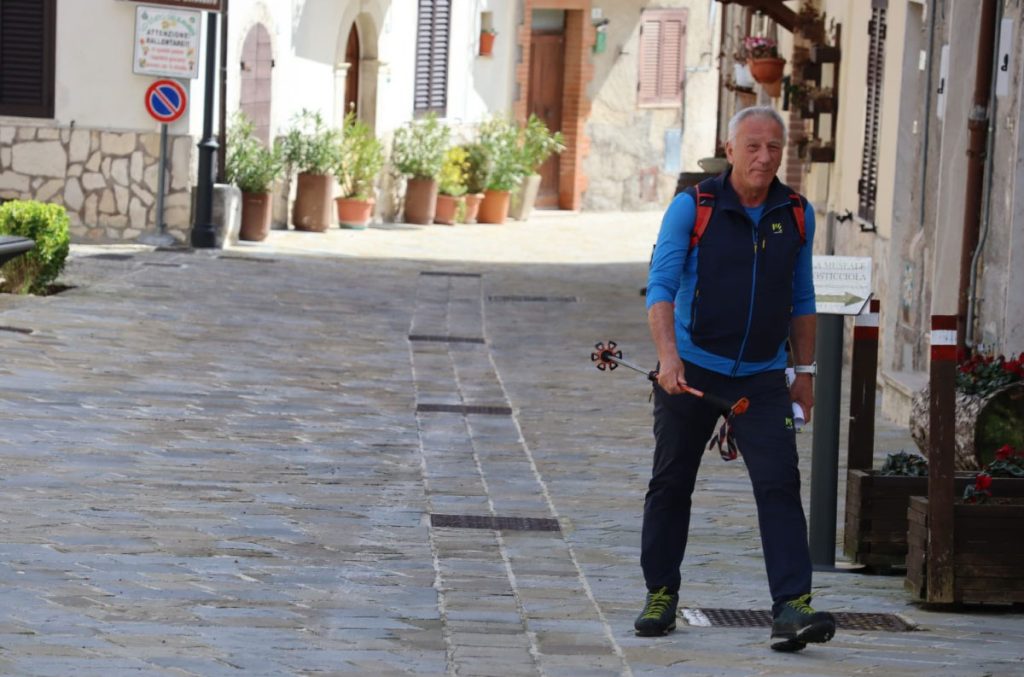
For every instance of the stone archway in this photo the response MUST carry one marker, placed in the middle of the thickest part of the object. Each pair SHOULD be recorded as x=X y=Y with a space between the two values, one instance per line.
x=256 y=66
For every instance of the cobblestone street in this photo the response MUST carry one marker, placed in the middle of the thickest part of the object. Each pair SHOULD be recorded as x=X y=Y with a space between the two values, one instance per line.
x=265 y=461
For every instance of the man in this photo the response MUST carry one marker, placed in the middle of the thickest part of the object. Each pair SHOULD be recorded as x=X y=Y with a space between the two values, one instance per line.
x=721 y=305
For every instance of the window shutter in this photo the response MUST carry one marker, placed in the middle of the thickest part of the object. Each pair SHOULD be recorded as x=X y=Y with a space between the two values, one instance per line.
x=27 y=33
x=432 y=37
x=867 y=187
x=662 y=57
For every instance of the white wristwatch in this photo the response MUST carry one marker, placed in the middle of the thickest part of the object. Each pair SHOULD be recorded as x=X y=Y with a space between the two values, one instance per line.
x=811 y=368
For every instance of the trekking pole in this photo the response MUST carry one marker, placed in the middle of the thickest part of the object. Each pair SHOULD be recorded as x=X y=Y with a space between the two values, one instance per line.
x=608 y=358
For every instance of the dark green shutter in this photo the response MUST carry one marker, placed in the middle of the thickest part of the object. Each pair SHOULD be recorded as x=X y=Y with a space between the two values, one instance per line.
x=27 y=55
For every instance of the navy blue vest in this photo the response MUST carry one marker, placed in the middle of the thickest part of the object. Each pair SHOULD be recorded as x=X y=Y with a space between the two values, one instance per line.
x=743 y=299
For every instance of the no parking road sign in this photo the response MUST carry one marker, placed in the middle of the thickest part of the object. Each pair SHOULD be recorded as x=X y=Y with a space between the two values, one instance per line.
x=165 y=100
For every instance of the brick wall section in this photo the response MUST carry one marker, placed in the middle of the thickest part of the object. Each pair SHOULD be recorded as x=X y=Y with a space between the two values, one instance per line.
x=579 y=39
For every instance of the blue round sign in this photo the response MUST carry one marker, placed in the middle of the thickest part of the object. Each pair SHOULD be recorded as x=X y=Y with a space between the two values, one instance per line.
x=165 y=100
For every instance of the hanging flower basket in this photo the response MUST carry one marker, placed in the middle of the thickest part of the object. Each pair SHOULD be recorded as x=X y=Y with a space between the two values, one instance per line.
x=767 y=71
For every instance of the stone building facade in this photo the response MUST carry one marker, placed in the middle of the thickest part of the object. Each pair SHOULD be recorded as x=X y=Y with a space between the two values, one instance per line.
x=106 y=180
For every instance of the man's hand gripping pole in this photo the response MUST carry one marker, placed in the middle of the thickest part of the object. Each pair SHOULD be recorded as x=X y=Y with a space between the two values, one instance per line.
x=608 y=357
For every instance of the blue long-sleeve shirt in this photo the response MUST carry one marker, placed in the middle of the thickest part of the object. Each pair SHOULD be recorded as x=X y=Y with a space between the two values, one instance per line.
x=673 y=277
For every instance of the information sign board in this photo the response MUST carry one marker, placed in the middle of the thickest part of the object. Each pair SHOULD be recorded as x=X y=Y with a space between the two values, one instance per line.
x=842 y=284
x=166 y=42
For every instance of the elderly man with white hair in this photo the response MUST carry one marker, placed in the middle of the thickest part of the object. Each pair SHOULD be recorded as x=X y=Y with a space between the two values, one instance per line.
x=730 y=283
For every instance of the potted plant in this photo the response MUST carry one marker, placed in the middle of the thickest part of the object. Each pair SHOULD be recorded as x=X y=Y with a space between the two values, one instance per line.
x=876 y=524
x=537 y=144
x=500 y=139
x=310 y=148
x=765 y=63
x=418 y=153
x=451 y=186
x=478 y=168
x=360 y=159
x=989 y=409
x=253 y=168
x=985 y=557
x=487 y=37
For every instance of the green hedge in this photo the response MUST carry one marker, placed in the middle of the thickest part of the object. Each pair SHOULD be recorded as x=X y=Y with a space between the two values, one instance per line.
x=47 y=224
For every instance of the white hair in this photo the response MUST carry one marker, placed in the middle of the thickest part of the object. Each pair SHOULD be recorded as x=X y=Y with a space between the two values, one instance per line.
x=766 y=112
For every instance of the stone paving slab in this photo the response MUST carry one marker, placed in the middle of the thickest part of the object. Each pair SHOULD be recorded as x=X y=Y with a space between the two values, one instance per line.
x=216 y=467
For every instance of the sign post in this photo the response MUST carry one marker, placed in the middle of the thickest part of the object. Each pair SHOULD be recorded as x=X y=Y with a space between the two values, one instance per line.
x=165 y=102
x=842 y=286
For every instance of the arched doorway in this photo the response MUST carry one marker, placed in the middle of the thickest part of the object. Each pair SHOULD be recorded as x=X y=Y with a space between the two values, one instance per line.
x=352 y=55
x=255 y=78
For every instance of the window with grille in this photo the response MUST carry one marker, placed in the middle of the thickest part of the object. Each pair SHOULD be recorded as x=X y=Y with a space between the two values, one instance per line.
x=433 y=27
x=27 y=37
x=662 y=57
x=868 y=184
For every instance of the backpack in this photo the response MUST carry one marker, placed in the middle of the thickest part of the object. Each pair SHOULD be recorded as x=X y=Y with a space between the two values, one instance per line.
x=705 y=201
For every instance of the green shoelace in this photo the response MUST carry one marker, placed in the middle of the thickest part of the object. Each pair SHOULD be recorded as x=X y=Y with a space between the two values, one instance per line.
x=657 y=603
x=801 y=604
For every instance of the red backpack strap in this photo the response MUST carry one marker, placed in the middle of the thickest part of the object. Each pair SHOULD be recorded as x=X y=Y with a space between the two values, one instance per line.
x=705 y=201
x=797 y=205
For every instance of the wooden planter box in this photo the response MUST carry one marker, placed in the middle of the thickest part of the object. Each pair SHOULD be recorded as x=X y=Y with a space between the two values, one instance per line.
x=988 y=553
x=823 y=154
x=876 y=514
x=824 y=54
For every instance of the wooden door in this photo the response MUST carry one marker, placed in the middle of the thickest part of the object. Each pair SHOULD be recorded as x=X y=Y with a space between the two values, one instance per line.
x=544 y=99
x=352 y=52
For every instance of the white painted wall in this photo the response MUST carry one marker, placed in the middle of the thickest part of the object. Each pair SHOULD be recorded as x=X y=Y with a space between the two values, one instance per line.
x=95 y=85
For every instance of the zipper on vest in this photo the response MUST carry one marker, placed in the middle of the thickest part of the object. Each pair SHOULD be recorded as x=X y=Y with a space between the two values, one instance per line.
x=753 y=289
x=750 y=311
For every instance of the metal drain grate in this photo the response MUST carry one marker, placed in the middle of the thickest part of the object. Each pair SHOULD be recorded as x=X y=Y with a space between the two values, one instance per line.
x=532 y=299
x=446 y=273
x=17 y=330
x=752 y=618
x=464 y=409
x=112 y=257
x=248 y=259
x=495 y=522
x=444 y=339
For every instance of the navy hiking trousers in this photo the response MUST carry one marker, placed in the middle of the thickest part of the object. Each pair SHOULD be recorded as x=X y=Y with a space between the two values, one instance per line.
x=766 y=437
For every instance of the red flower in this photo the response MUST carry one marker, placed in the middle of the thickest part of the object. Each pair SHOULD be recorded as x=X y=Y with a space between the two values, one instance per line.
x=1005 y=452
x=983 y=482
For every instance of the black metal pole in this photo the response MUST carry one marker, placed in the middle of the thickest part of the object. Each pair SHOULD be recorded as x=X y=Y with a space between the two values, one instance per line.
x=222 y=121
x=203 y=231
x=825 y=444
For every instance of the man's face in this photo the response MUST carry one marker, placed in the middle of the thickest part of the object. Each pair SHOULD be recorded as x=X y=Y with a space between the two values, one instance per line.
x=755 y=154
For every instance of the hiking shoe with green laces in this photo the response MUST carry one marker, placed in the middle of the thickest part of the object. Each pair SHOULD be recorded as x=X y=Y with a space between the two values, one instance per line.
x=797 y=625
x=659 y=614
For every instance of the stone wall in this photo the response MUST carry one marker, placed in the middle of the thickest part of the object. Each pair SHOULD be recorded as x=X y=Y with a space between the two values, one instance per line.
x=106 y=180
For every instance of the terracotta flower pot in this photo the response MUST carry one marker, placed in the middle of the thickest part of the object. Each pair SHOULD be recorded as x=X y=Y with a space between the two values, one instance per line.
x=447 y=209
x=420 y=201
x=767 y=69
x=487 y=43
x=353 y=213
x=494 y=207
x=312 y=208
x=256 y=214
x=472 y=206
